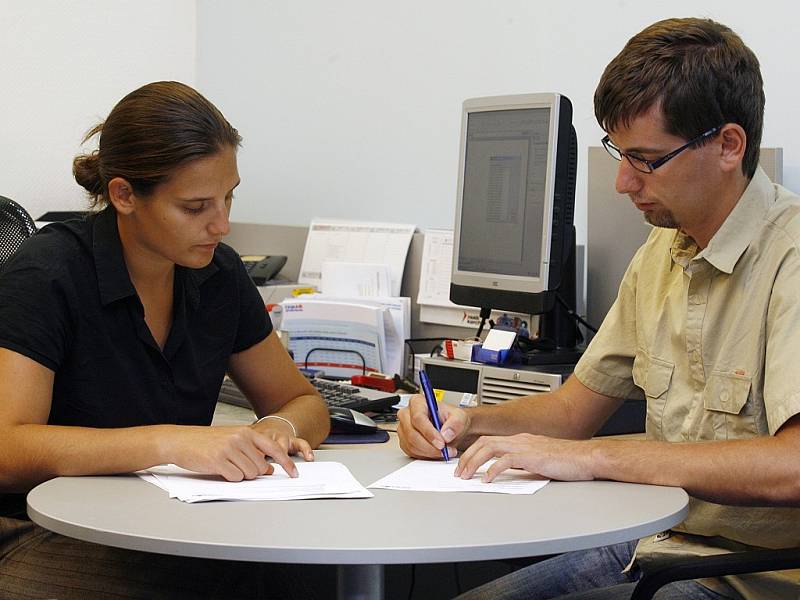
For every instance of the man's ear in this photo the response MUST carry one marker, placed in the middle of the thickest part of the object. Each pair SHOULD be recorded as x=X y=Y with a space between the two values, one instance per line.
x=120 y=194
x=734 y=143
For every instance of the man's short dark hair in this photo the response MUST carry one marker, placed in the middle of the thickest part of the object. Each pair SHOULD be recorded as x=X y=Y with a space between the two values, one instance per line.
x=700 y=73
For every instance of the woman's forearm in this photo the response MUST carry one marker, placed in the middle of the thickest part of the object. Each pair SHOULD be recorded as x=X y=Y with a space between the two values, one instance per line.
x=32 y=453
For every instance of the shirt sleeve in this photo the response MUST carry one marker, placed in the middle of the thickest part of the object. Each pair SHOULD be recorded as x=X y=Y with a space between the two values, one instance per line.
x=35 y=311
x=254 y=322
x=607 y=364
x=781 y=384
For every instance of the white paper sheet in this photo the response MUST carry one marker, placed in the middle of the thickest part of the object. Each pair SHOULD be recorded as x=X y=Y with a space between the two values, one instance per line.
x=436 y=268
x=356 y=279
x=437 y=476
x=499 y=339
x=358 y=242
x=315 y=480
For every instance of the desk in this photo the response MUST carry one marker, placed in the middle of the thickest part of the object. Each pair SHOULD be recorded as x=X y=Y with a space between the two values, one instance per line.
x=396 y=527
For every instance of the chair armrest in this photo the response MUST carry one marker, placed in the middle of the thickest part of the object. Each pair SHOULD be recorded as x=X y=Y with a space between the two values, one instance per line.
x=736 y=563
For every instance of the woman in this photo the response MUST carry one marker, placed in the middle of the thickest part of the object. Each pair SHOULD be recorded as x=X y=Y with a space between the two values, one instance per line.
x=116 y=331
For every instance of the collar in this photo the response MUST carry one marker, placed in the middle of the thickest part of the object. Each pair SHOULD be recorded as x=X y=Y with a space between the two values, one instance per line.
x=112 y=274
x=737 y=231
x=683 y=249
x=191 y=280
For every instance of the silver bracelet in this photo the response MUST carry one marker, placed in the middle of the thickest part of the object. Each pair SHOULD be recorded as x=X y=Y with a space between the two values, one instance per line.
x=284 y=419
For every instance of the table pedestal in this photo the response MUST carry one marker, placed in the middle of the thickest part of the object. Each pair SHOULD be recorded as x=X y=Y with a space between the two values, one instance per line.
x=360 y=582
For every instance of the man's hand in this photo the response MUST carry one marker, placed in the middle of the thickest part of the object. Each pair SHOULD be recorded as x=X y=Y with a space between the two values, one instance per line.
x=418 y=436
x=548 y=458
x=235 y=453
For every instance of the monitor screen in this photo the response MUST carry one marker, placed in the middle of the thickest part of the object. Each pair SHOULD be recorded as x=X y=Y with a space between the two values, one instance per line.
x=515 y=202
x=503 y=201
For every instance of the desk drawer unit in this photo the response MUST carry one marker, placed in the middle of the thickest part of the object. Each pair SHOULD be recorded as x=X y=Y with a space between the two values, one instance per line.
x=498 y=384
x=490 y=384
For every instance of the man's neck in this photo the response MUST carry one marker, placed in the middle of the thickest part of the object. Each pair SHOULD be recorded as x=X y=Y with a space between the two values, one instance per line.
x=726 y=196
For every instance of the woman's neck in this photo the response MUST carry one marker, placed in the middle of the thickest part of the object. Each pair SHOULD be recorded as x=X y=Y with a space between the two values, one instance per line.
x=149 y=272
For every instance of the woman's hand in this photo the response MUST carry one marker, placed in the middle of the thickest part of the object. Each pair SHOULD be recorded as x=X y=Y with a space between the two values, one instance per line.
x=235 y=453
x=283 y=433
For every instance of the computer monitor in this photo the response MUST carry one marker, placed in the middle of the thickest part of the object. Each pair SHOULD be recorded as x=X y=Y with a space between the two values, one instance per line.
x=514 y=242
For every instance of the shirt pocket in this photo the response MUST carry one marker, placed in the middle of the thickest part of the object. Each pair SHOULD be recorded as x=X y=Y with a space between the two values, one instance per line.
x=654 y=377
x=724 y=399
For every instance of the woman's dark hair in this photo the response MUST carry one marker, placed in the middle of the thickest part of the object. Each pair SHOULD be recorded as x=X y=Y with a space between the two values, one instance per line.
x=148 y=134
x=699 y=71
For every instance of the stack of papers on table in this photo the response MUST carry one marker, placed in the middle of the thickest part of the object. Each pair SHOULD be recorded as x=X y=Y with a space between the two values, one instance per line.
x=437 y=476
x=316 y=480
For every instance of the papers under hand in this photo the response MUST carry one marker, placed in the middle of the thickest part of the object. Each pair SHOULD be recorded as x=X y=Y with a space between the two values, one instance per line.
x=316 y=480
x=332 y=480
x=437 y=476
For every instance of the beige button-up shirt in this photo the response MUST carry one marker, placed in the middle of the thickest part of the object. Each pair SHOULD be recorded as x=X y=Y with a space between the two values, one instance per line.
x=712 y=339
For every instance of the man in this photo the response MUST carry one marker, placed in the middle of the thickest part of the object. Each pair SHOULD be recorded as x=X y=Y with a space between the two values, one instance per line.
x=706 y=324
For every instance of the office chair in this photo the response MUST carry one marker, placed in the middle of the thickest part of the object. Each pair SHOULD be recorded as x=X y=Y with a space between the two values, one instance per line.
x=16 y=225
x=736 y=563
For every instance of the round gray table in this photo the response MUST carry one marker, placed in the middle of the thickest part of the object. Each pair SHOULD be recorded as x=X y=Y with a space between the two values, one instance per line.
x=360 y=536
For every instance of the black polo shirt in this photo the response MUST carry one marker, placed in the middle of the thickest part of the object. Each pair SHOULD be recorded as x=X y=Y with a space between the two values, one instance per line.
x=67 y=302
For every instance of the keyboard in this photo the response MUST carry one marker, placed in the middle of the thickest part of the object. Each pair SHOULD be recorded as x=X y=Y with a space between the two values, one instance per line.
x=334 y=393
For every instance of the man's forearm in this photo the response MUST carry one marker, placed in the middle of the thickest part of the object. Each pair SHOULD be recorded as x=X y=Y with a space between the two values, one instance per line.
x=542 y=415
x=571 y=412
x=741 y=472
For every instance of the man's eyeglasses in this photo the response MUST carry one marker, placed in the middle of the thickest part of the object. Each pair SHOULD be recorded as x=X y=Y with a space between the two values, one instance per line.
x=648 y=166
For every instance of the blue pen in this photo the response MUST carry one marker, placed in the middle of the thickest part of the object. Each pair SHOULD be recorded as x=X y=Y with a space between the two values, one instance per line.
x=433 y=411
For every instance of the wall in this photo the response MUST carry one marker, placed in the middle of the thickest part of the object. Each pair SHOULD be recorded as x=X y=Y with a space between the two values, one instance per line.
x=63 y=66
x=348 y=108
x=351 y=108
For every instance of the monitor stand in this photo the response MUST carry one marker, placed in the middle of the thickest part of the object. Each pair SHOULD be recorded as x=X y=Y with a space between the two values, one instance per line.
x=563 y=356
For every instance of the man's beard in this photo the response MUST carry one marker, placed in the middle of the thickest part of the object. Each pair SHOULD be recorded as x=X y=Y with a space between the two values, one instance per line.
x=661 y=218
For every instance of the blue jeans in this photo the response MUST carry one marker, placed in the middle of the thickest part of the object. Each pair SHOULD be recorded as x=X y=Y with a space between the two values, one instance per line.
x=594 y=574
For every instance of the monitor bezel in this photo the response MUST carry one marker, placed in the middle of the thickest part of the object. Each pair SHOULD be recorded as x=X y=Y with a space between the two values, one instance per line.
x=500 y=281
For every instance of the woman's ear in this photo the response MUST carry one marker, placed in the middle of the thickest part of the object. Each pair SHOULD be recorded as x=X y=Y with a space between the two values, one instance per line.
x=734 y=144
x=120 y=194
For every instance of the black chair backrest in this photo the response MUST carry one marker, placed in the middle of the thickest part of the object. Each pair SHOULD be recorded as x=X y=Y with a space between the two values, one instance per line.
x=16 y=225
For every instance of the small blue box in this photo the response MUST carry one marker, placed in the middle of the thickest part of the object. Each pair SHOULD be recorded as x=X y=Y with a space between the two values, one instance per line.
x=491 y=357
